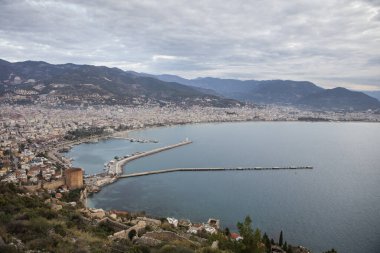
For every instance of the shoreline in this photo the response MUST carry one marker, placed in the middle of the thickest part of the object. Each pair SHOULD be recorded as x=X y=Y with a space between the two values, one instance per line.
x=124 y=133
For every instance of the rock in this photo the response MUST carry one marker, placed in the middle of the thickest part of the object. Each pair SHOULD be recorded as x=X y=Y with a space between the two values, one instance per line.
x=58 y=195
x=56 y=207
x=215 y=245
x=97 y=213
x=277 y=249
x=184 y=223
x=120 y=235
x=136 y=230
x=133 y=222
x=150 y=222
x=73 y=204
x=147 y=241
x=113 y=216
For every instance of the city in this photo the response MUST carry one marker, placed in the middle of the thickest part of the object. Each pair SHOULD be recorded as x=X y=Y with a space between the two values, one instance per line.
x=31 y=136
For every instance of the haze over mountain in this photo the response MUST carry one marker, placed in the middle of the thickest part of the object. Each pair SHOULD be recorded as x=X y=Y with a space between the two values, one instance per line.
x=340 y=98
x=283 y=92
x=77 y=84
x=71 y=83
x=375 y=94
x=329 y=42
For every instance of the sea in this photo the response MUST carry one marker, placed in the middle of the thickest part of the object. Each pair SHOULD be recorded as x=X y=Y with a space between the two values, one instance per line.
x=334 y=205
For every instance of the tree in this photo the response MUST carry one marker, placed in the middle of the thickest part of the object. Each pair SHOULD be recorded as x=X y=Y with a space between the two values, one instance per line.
x=267 y=242
x=331 y=251
x=251 y=239
x=285 y=246
x=227 y=232
x=280 y=241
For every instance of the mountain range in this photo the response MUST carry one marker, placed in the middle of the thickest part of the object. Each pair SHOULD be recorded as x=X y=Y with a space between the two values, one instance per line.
x=77 y=84
x=282 y=92
x=25 y=82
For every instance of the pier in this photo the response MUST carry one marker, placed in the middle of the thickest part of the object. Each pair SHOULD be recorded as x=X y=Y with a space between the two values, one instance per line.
x=119 y=164
x=146 y=173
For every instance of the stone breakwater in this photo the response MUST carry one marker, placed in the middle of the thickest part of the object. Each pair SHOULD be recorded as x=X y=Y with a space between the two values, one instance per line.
x=146 y=173
x=115 y=167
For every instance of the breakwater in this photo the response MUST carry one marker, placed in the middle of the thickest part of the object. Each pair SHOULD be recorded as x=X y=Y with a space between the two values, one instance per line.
x=115 y=167
x=118 y=168
x=146 y=173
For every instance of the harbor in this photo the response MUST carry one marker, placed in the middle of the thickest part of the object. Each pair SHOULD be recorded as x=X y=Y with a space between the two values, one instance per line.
x=114 y=168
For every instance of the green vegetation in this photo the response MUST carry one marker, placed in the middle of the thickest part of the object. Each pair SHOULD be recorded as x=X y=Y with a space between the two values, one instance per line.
x=280 y=240
x=84 y=133
x=26 y=220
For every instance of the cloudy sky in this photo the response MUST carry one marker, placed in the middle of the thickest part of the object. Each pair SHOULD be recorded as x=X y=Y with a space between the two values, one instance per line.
x=330 y=42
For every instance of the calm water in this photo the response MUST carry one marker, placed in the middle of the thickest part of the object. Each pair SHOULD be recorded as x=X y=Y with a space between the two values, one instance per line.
x=335 y=205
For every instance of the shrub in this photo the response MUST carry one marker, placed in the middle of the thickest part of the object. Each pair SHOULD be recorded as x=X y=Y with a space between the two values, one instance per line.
x=59 y=229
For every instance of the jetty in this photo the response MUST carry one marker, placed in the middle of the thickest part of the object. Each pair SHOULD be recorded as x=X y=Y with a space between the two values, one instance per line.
x=118 y=167
x=146 y=173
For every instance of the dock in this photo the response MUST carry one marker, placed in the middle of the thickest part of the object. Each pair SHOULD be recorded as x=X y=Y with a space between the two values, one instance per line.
x=146 y=173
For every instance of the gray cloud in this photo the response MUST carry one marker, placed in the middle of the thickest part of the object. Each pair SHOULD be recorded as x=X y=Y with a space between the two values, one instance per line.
x=330 y=42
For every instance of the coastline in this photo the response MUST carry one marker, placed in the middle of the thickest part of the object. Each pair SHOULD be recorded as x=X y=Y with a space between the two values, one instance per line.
x=95 y=202
x=124 y=133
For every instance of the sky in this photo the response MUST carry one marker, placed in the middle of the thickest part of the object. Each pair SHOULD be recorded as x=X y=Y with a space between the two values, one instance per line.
x=329 y=42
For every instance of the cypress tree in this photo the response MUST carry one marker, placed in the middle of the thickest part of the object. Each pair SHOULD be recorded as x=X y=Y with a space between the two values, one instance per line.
x=227 y=232
x=267 y=242
x=280 y=241
x=285 y=246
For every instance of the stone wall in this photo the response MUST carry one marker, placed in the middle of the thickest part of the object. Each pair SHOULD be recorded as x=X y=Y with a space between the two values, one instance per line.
x=74 y=178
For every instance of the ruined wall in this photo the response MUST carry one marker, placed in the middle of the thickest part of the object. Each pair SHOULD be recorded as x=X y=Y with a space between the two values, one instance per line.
x=54 y=184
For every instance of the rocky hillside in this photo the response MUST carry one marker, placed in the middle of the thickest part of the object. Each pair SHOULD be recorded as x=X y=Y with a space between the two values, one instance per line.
x=31 y=81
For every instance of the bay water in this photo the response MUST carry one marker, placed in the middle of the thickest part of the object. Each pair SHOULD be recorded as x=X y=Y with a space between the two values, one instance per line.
x=337 y=204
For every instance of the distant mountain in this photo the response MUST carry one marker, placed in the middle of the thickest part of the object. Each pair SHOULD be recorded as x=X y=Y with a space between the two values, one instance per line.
x=283 y=92
x=70 y=83
x=375 y=94
x=37 y=81
x=261 y=92
x=340 y=99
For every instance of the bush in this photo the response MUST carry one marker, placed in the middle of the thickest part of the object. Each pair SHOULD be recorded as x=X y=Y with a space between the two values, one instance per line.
x=5 y=218
x=46 y=213
x=71 y=196
x=59 y=229
x=103 y=229
x=9 y=249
